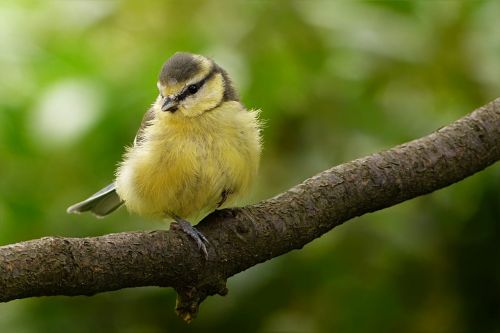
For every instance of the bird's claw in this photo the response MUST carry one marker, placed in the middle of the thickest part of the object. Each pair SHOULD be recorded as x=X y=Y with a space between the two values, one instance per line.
x=195 y=234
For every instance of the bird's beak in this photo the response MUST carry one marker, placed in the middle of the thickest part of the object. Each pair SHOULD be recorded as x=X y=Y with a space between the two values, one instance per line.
x=169 y=104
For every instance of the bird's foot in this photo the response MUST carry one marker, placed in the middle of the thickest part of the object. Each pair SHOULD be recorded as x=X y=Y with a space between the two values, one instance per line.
x=194 y=233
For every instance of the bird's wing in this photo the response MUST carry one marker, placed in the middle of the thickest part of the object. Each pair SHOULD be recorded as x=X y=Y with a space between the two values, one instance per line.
x=146 y=121
x=107 y=200
x=101 y=203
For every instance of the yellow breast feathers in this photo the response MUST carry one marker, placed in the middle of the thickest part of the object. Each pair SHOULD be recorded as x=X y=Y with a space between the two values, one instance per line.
x=188 y=166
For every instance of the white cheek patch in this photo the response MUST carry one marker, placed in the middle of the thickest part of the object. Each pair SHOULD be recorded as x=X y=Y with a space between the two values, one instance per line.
x=208 y=96
x=212 y=94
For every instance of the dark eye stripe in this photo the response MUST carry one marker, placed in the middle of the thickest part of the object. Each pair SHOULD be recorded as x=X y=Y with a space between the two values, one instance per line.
x=186 y=91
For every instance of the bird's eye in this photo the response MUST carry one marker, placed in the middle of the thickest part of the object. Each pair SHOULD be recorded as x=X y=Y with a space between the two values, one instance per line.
x=193 y=88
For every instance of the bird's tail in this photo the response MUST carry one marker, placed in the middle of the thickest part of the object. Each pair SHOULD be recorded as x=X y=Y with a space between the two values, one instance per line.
x=100 y=204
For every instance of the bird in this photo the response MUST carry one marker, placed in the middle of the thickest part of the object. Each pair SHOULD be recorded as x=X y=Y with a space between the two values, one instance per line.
x=197 y=150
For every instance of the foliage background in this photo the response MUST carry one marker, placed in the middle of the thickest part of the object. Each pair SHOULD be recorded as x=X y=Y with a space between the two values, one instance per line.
x=335 y=79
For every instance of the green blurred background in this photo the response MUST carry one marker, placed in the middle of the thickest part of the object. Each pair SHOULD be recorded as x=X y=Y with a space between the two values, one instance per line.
x=335 y=80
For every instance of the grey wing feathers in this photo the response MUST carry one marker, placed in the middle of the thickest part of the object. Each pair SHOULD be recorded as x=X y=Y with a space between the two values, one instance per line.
x=101 y=203
x=107 y=200
x=146 y=121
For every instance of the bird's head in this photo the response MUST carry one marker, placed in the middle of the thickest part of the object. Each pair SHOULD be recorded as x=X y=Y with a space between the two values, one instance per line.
x=191 y=84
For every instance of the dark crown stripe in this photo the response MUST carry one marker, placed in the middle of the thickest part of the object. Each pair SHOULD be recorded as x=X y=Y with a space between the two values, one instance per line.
x=180 y=67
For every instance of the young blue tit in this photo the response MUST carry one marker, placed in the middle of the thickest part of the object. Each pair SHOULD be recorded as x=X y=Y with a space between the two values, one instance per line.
x=196 y=150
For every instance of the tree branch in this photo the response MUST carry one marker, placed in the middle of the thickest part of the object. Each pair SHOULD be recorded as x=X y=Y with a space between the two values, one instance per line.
x=243 y=237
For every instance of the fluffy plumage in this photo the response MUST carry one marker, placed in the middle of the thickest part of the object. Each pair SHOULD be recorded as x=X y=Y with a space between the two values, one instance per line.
x=201 y=157
x=198 y=148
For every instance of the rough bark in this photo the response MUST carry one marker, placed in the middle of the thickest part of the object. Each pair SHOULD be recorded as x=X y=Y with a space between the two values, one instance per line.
x=243 y=237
